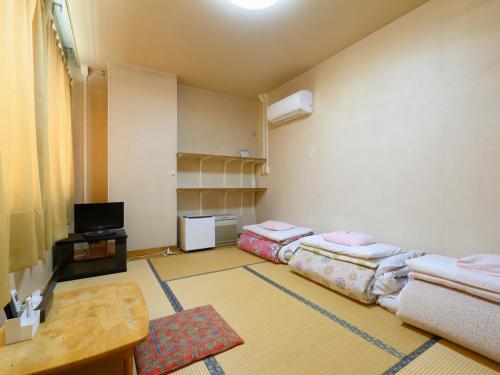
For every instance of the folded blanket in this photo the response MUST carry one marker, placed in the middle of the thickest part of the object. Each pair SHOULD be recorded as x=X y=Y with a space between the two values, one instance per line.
x=376 y=250
x=446 y=268
x=459 y=317
x=286 y=252
x=281 y=235
x=362 y=279
x=389 y=302
x=492 y=296
x=350 y=279
x=266 y=248
x=260 y=246
x=369 y=263
x=489 y=264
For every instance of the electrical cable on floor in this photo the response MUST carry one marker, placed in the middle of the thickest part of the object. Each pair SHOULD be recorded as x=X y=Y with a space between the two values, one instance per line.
x=165 y=252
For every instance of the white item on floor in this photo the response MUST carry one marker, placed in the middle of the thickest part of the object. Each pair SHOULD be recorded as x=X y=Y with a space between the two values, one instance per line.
x=197 y=232
x=446 y=268
x=278 y=236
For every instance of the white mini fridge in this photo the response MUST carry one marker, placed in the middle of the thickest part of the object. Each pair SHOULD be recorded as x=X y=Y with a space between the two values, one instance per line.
x=196 y=232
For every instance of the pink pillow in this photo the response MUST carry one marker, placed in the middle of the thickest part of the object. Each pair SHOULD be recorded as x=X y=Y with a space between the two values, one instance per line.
x=276 y=225
x=489 y=264
x=349 y=238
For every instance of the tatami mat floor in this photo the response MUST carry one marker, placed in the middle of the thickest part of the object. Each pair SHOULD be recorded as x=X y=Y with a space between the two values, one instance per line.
x=290 y=325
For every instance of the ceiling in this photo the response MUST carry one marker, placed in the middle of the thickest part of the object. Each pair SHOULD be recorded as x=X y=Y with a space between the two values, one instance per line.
x=215 y=45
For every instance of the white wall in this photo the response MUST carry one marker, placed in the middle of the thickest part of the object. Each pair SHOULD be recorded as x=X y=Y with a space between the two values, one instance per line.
x=404 y=142
x=142 y=146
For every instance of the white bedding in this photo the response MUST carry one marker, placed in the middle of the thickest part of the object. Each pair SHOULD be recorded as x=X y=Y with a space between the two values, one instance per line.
x=376 y=250
x=459 y=317
x=389 y=302
x=446 y=268
x=278 y=235
x=286 y=252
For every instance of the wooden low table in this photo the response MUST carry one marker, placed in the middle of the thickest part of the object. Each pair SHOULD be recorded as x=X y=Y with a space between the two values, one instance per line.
x=83 y=326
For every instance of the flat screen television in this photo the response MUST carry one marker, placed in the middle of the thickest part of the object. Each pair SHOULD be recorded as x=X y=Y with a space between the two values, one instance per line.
x=98 y=217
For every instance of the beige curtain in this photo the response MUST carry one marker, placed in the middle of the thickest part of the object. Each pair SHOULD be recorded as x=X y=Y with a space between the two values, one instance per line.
x=35 y=138
x=55 y=142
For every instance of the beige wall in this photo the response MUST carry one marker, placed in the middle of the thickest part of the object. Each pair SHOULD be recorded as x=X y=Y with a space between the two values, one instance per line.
x=97 y=174
x=404 y=141
x=214 y=123
x=97 y=138
x=142 y=146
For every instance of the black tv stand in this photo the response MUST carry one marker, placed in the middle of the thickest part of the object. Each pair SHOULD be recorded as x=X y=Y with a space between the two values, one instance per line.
x=100 y=235
x=106 y=254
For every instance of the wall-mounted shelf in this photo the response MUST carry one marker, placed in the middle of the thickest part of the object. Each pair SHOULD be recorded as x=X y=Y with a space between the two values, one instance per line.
x=189 y=155
x=227 y=159
x=223 y=190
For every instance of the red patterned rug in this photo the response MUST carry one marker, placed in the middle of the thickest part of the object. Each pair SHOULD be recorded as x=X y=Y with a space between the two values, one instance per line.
x=178 y=340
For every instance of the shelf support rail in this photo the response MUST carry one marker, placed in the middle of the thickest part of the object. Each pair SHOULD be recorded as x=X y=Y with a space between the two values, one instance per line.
x=243 y=171
x=201 y=170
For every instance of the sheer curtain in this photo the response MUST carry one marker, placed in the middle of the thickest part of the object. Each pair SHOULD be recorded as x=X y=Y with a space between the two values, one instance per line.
x=35 y=138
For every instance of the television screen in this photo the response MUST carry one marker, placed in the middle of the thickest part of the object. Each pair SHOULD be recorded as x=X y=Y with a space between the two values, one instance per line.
x=92 y=217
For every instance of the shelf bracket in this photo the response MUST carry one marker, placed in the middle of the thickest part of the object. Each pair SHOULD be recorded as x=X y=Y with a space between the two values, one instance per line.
x=225 y=203
x=201 y=170
x=253 y=203
x=201 y=203
x=241 y=203
x=242 y=171
x=226 y=162
x=254 y=174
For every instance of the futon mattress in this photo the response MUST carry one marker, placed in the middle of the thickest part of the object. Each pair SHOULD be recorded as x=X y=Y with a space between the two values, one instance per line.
x=361 y=279
x=265 y=247
x=457 y=316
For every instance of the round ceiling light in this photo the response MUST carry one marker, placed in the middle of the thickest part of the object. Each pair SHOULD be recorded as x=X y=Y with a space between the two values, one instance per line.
x=254 y=4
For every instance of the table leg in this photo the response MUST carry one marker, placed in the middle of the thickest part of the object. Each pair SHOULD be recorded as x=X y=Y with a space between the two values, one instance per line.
x=128 y=362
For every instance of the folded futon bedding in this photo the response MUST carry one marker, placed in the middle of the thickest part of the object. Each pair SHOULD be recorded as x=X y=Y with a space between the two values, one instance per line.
x=276 y=246
x=364 y=273
x=455 y=303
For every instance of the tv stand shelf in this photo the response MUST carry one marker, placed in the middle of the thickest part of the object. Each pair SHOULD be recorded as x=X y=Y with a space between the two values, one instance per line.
x=69 y=265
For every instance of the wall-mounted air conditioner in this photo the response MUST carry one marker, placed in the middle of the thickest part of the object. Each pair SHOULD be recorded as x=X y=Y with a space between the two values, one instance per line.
x=292 y=107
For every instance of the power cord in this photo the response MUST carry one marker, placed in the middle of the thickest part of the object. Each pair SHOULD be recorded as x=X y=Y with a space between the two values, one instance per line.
x=165 y=252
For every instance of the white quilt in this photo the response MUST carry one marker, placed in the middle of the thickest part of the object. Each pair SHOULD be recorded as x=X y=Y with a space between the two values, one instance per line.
x=389 y=302
x=376 y=250
x=446 y=268
x=286 y=252
x=278 y=235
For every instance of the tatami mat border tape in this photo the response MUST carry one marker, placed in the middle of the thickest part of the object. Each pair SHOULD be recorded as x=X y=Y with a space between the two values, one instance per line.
x=412 y=356
x=210 y=272
x=389 y=349
x=211 y=362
